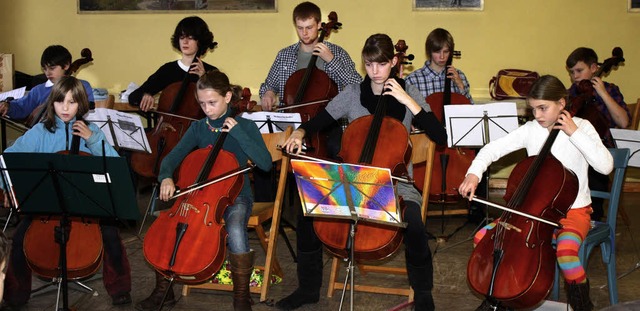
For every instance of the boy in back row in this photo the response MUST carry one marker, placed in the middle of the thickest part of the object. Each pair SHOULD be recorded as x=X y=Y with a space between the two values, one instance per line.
x=55 y=63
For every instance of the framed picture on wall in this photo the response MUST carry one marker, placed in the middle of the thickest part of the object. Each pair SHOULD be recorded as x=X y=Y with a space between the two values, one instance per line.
x=634 y=6
x=473 y=5
x=169 y=6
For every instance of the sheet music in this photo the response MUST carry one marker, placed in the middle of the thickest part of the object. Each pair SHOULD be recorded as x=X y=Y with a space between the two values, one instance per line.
x=127 y=128
x=465 y=126
x=273 y=122
x=17 y=93
x=628 y=139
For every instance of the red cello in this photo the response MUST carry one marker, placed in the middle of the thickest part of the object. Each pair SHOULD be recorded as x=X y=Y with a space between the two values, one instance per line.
x=365 y=141
x=308 y=91
x=84 y=243
x=188 y=240
x=583 y=105
x=515 y=265
x=449 y=164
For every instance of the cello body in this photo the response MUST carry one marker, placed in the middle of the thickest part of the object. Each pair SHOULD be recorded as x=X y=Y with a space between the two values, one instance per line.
x=188 y=240
x=84 y=248
x=372 y=241
x=169 y=129
x=515 y=262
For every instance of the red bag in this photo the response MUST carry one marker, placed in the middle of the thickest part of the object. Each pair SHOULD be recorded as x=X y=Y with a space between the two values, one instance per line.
x=512 y=83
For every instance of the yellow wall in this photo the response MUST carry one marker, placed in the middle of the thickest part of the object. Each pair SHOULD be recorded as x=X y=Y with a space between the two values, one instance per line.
x=536 y=35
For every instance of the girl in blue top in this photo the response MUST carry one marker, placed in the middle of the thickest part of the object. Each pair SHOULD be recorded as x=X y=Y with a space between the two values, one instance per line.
x=67 y=100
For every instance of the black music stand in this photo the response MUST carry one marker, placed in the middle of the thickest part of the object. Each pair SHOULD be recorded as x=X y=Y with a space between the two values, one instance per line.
x=98 y=187
x=345 y=191
x=476 y=126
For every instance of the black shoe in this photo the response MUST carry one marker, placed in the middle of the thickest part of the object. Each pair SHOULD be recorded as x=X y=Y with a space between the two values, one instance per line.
x=121 y=299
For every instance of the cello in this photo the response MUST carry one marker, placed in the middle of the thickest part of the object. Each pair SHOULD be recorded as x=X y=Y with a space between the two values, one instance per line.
x=449 y=164
x=188 y=240
x=364 y=142
x=403 y=58
x=83 y=246
x=584 y=104
x=178 y=107
x=515 y=265
x=307 y=91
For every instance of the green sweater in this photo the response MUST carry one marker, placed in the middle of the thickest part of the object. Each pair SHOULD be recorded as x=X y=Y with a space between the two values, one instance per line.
x=244 y=141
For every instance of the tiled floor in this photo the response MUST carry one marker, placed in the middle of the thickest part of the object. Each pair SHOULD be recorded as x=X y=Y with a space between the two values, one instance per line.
x=451 y=291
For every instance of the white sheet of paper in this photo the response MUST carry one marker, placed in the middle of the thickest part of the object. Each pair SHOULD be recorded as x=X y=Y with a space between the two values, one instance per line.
x=17 y=93
x=279 y=120
x=128 y=128
x=465 y=125
x=628 y=139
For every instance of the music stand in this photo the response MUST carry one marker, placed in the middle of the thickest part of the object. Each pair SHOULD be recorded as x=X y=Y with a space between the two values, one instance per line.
x=122 y=130
x=346 y=191
x=628 y=139
x=476 y=126
x=98 y=187
x=273 y=122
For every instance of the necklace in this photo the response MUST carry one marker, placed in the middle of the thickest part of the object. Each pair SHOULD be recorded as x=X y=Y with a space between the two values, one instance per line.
x=213 y=129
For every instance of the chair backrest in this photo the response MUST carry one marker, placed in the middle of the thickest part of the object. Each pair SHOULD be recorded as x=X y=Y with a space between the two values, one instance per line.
x=620 y=160
x=635 y=117
x=423 y=150
x=274 y=140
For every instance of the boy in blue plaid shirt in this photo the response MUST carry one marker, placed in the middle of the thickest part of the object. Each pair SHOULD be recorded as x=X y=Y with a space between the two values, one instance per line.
x=582 y=64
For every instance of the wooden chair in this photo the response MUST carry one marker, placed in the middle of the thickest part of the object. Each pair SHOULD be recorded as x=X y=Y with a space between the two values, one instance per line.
x=423 y=151
x=261 y=213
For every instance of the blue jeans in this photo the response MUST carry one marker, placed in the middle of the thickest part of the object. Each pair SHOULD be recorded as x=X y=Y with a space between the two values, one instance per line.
x=236 y=218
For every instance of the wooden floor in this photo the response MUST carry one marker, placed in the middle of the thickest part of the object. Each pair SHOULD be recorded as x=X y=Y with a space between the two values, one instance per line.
x=450 y=292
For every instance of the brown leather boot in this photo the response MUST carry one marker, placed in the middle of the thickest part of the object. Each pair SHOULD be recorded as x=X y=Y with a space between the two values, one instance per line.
x=578 y=296
x=241 y=268
x=155 y=299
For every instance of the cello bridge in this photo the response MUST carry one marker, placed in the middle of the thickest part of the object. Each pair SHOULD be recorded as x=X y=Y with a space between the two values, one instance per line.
x=186 y=207
x=168 y=127
x=509 y=226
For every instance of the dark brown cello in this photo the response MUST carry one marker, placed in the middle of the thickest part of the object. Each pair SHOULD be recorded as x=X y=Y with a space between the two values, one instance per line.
x=449 y=164
x=308 y=91
x=584 y=106
x=178 y=108
x=515 y=264
x=83 y=247
x=366 y=141
x=188 y=240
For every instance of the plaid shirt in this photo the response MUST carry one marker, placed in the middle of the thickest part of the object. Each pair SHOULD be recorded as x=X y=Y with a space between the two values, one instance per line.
x=429 y=81
x=614 y=91
x=341 y=69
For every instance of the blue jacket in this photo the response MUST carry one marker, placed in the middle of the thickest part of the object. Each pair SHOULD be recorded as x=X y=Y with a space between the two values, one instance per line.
x=22 y=107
